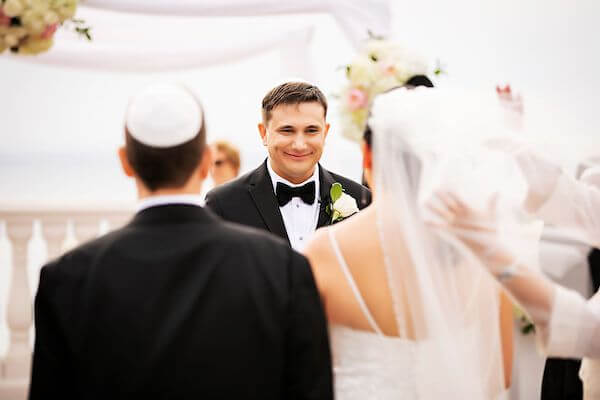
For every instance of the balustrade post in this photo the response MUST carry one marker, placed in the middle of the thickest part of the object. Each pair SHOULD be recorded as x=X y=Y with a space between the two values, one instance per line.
x=54 y=228
x=17 y=364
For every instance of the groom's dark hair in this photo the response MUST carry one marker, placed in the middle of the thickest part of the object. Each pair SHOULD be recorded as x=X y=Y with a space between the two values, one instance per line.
x=292 y=93
x=169 y=167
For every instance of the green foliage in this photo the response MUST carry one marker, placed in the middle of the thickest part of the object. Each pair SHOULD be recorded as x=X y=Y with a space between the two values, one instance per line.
x=336 y=192
x=527 y=326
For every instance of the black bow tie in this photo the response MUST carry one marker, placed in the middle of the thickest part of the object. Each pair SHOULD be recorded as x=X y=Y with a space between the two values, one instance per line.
x=285 y=193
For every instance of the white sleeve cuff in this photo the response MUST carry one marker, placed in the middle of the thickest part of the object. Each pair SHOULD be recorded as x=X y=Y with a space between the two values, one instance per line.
x=567 y=330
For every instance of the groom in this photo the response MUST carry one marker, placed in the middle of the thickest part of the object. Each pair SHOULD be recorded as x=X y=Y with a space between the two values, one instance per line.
x=289 y=193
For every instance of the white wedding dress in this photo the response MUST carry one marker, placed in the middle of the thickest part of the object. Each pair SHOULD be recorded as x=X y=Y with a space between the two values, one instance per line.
x=370 y=365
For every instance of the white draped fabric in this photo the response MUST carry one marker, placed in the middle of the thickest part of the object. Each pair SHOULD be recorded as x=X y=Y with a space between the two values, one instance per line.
x=141 y=36
x=123 y=43
x=149 y=57
x=356 y=17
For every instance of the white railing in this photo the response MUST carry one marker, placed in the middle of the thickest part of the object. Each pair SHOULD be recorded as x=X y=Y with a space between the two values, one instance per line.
x=56 y=227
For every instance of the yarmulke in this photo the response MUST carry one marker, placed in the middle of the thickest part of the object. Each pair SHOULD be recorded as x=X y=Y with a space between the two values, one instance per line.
x=164 y=115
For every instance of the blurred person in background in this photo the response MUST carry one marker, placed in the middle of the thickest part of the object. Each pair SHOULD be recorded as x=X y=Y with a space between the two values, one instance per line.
x=226 y=162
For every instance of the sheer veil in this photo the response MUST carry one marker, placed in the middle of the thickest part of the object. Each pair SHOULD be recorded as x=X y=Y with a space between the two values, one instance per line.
x=443 y=299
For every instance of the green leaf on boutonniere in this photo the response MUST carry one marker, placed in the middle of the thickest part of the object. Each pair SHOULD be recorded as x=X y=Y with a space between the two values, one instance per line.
x=335 y=192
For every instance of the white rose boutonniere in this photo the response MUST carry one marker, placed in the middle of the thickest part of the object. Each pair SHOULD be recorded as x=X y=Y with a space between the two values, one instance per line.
x=342 y=205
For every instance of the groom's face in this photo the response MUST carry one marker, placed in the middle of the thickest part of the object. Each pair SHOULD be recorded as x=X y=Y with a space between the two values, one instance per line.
x=294 y=136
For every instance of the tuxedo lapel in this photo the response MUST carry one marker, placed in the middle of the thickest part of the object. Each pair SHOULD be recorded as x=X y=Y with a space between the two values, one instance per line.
x=325 y=182
x=261 y=190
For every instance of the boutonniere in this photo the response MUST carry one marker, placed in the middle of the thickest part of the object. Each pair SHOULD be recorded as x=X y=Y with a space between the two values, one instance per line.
x=342 y=205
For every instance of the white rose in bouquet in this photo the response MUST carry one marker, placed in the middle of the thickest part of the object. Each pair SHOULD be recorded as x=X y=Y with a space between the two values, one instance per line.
x=33 y=21
x=13 y=8
x=51 y=18
x=39 y=6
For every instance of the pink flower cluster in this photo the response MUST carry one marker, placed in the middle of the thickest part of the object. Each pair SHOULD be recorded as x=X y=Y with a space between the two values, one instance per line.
x=4 y=19
x=49 y=31
x=357 y=99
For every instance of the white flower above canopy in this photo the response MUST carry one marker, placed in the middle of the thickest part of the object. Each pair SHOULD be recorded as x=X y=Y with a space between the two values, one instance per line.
x=28 y=26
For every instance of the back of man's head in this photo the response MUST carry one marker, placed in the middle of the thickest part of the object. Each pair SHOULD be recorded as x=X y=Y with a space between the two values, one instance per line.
x=165 y=136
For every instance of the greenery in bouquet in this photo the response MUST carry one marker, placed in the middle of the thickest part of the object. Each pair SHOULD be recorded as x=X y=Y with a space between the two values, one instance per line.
x=526 y=326
x=28 y=26
x=378 y=67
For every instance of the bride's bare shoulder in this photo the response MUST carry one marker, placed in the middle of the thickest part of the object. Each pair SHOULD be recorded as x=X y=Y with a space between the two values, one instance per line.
x=320 y=251
x=319 y=246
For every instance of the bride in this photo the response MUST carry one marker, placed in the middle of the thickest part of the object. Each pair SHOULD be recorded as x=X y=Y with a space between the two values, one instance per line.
x=412 y=315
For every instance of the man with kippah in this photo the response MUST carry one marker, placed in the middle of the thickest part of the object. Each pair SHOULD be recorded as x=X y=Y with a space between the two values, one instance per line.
x=178 y=304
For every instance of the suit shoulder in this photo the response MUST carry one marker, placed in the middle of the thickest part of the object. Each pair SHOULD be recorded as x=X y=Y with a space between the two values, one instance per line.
x=349 y=184
x=240 y=184
x=360 y=192
x=77 y=260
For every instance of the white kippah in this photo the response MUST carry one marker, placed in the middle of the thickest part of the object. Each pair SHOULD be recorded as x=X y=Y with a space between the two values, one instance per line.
x=164 y=115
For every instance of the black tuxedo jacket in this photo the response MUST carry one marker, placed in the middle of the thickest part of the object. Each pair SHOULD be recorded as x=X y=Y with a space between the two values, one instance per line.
x=180 y=305
x=561 y=376
x=250 y=199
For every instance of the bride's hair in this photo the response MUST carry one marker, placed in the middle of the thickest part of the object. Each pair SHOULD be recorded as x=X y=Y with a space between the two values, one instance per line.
x=415 y=81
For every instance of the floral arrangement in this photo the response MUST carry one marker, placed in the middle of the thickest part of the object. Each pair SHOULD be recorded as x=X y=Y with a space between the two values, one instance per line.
x=28 y=26
x=380 y=66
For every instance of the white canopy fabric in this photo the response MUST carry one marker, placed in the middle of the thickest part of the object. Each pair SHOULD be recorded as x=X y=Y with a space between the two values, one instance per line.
x=151 y=57
x=164 y=35
x=356 y=17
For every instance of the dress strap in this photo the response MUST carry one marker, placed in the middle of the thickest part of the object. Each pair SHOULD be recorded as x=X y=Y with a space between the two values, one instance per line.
x=352 y=283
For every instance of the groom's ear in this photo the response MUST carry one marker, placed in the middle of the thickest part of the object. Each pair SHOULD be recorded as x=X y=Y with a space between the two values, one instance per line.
x=262 y=129
x=125 y=165
x=326 y=131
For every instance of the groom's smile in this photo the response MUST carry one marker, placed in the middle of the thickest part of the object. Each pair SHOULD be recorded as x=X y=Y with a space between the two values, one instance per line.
x=298 y=157
x=294 y=136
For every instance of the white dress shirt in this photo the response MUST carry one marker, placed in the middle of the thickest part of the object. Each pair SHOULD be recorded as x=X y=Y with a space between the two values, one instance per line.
x=162 y=200
x=300 y=219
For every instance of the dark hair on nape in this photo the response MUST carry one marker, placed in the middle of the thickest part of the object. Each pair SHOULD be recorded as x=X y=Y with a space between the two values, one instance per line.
x=415 y=81
x=292 y=93
x=169 y=167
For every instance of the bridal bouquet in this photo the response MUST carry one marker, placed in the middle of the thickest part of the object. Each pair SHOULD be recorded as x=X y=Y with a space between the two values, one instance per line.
x=380 y=66
x=28 y=26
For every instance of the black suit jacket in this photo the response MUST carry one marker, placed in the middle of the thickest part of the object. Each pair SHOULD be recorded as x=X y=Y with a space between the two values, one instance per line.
x=561 y=376
x=250 y=199
x=179 y=305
